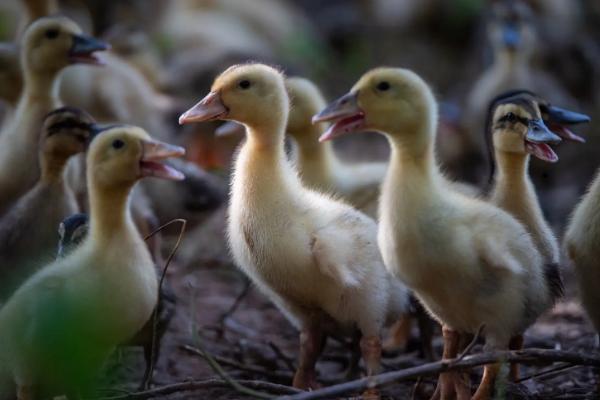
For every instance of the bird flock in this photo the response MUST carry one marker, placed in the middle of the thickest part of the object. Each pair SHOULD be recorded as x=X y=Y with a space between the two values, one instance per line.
x=339 y=247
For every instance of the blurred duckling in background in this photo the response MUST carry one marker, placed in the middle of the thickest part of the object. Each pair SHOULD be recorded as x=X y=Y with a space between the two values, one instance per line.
x=28 y=229
x=319 y=167
x=72 y=231
x=513 y=39
x=61 y=325
x=49 y=45
x=444 y=245
x=11 y=78
x=314 y=257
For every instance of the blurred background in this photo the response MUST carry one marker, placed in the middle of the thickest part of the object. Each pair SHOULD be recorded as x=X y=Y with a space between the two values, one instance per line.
x=166 y=53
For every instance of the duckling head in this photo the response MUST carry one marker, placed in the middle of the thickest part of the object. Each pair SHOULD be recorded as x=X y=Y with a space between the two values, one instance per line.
x=305 y=101
x=517 y=127
x=510 y=27
x=119 y=155
x=52 y=43
x=67 y=131
x=252 y=94
x=394 y=101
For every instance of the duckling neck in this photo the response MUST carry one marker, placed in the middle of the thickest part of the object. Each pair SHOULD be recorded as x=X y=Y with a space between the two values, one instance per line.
x=40 y=86
x=514 y=192
x=315 y=160
x=110 y=216
x=53 y=167
x=507 y=60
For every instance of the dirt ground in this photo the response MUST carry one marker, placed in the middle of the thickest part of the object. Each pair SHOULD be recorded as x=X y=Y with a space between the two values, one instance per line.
x=256 y=342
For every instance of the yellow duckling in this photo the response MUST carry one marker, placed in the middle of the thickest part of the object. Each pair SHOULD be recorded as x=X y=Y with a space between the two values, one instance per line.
x=28 y=229
x=320 y=168
x=469 y=262
x=314 y=257
x=49 y=45
x=60 y=325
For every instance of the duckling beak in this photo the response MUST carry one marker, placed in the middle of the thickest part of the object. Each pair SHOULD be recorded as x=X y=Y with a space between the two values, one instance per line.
x=152 y=153
x=537 y=141
x=83 y=48
x=346 y=114
x=209 y=108
x=559 y=117
x=511 y=36
x=229 y=128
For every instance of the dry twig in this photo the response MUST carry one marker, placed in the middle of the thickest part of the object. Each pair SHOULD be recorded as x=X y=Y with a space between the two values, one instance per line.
x=532 y=356
x=183 y=222
x=202 y=384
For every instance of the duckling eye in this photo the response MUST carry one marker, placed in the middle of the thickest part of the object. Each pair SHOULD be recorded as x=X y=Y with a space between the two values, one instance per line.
x=383 y=86
x=510 y=117
x=51 y=33
x=118 y=143
x=245 y=84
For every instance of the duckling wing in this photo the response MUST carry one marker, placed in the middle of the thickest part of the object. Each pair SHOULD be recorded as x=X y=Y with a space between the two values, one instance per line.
x=497 y=257
x=328 y=260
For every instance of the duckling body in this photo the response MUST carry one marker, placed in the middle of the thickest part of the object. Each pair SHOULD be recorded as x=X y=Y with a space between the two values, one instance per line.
x=314 y=257
x=469 y=262
x=582 y=242
x=48 y=46
x=62 y=323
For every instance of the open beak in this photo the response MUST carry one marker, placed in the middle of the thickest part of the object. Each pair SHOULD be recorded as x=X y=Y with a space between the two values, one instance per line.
x=83 y=49
x=209 y=108
x=511 y=36
x=153 y=153
x=559 y=117
x=538 y=140
x=346 y=115
x=229 y=128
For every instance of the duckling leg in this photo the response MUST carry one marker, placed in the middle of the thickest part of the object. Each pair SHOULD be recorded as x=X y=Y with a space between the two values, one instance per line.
x=371 y=352
x=451 y=383
x=516 y=343
x=486 y=387
x=399 y=334
x=312 y=341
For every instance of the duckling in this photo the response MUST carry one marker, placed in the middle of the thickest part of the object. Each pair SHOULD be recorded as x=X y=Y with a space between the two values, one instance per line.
x=49 y=45
x=316 y=258
x=518 y=130
x=319 y=167
x=469 y=262
x=28 y=229
x=582 y=244
x=72 y=231
x=63 y=322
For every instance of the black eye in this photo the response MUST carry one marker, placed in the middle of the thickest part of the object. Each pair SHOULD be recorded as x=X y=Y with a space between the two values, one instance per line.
x=118 y=143
x=383 y=86
x=51 y=33
x=510 y=117
x=245 y=84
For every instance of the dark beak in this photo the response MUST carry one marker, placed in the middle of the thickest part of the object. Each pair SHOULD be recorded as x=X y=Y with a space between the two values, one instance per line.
x=343 y=107
x=539 y=133
x=83 y=49
x=565 y=117
x=511 y=36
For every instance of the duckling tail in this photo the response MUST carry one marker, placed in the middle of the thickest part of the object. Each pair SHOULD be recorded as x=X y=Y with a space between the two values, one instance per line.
x=554 y=280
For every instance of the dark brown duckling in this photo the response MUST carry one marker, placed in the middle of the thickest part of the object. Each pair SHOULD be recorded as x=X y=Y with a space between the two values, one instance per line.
x=28 y=229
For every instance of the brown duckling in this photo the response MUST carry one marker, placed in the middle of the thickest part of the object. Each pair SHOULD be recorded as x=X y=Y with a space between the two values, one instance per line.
x=28 y=229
